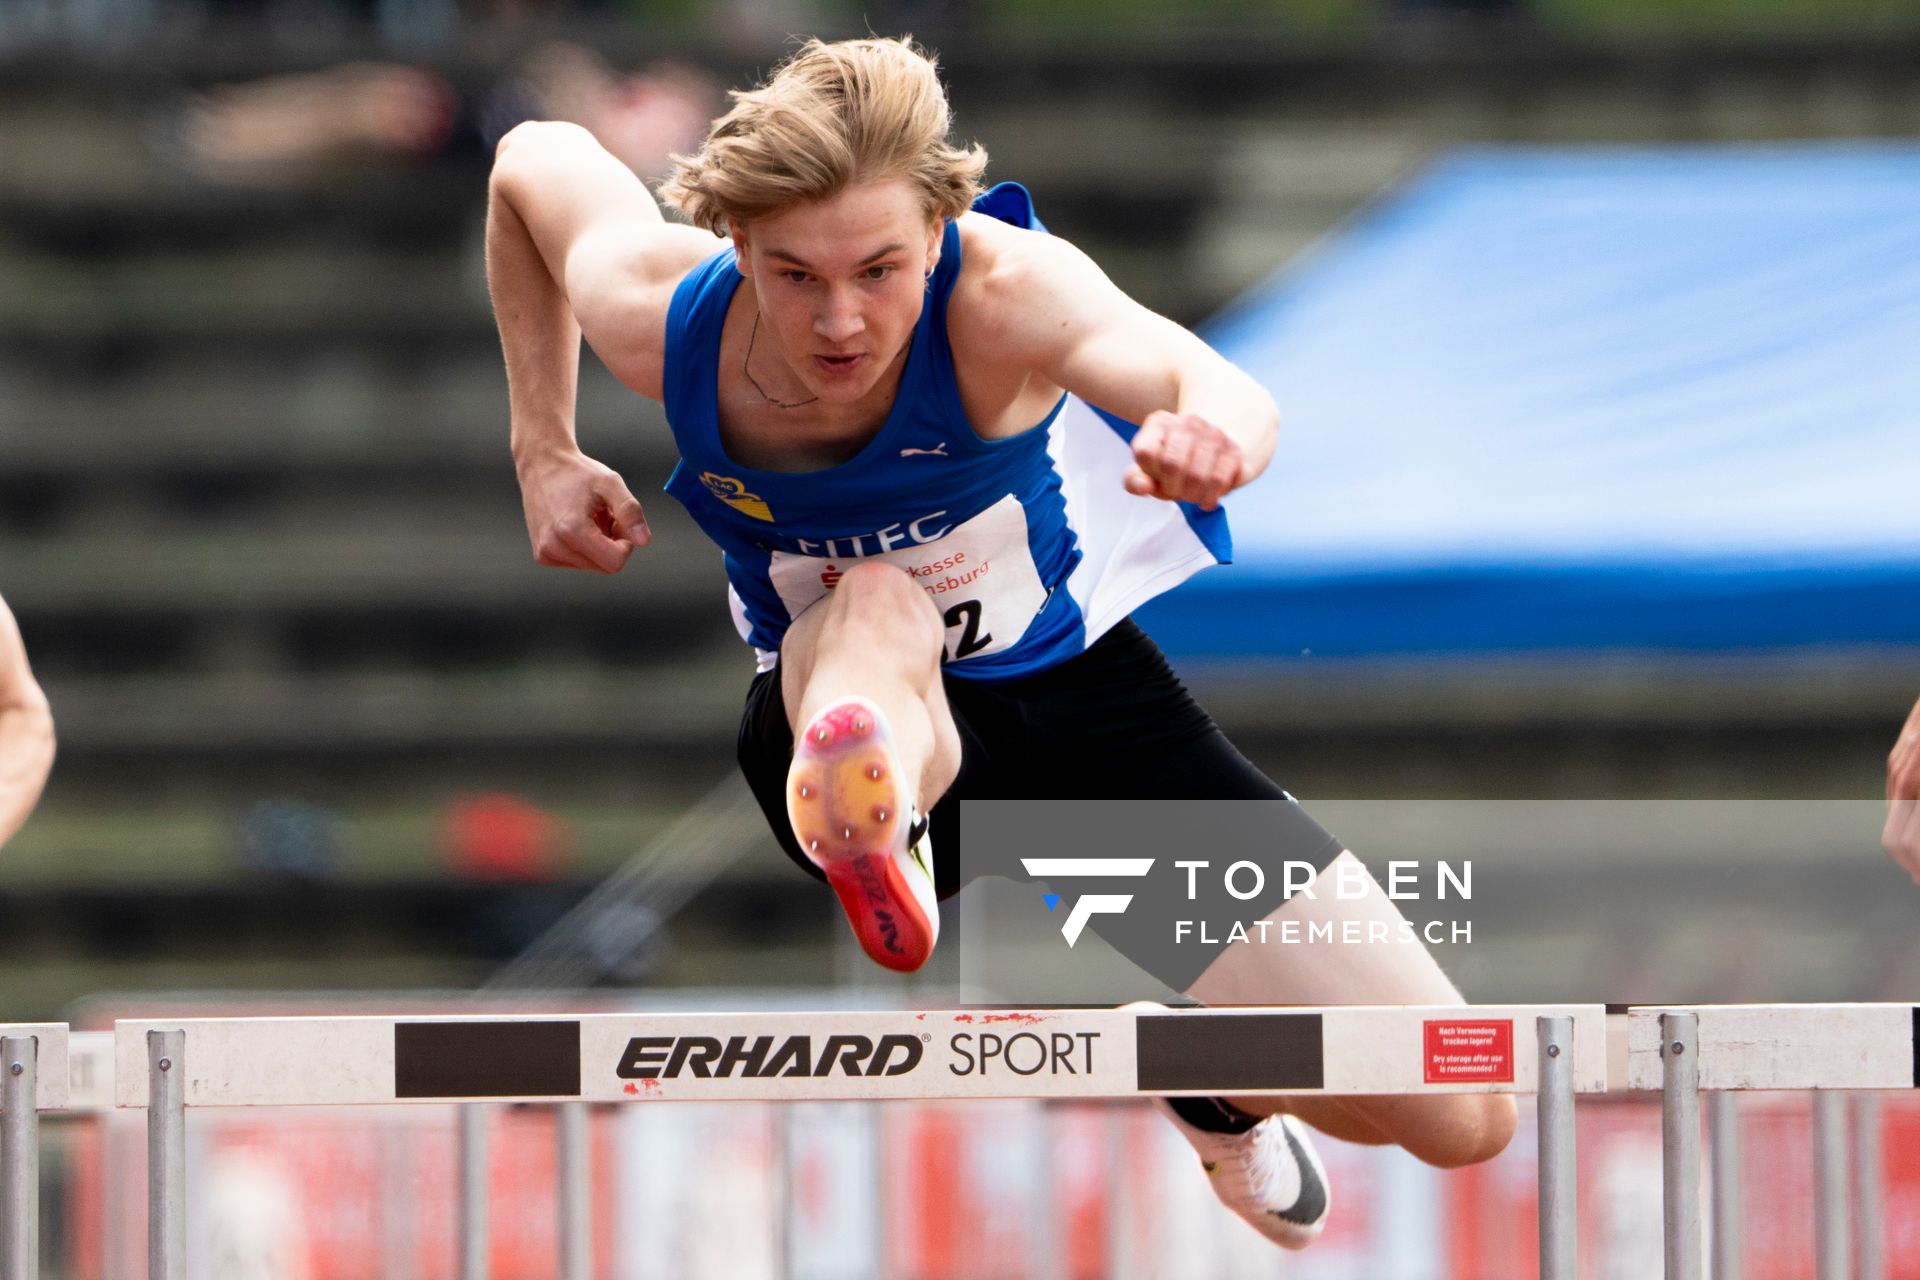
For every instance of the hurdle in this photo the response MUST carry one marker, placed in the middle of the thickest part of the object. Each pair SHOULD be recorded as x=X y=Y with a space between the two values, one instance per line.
x=173 y=1066
x=91 y=1067
x=33 y=1058
x=1826 y=1049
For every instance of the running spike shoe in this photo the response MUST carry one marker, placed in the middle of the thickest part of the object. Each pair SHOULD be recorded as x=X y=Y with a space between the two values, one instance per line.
x=1269 y=1174
x=854 y=819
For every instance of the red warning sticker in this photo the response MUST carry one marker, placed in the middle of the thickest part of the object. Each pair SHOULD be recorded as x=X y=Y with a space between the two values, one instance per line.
x=1469 y=1052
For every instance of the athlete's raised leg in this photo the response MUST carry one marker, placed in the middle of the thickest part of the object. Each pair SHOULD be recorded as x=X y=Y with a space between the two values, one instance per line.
x=874 y=747
x=877 y=636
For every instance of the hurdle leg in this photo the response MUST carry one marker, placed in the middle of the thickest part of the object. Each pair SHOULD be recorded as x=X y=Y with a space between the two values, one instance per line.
x=118 y=1245
x=399 y=1229
x=1869 y=1223
x=1830 y=1243
x=474 y=1259
x=1048 y=1241
x=1559 y=1223
x=1120 y=1195
x=1723 y=1129
x=576 y=1191
x=166 y=1155
x=782 y=1130
x=20 y=1157
x=1680 y=1142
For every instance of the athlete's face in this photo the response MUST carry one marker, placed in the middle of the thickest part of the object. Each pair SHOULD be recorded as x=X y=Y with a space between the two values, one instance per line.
x=840 y=283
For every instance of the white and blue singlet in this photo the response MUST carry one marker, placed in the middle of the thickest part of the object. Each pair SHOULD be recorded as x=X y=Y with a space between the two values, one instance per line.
x=1030 y=546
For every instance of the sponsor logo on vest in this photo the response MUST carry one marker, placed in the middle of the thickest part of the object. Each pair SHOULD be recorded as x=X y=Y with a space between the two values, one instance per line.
x=734 y=494
x=758 y=1057
x=938 y=451
x=911 y=533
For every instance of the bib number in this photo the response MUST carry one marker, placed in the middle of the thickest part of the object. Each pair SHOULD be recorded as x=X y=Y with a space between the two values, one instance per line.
x=980 y=575
x=966 y=617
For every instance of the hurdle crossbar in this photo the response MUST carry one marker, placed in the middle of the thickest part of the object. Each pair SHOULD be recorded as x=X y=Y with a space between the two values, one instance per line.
x=169 y=1067
x=1822 y=1048
x=861 y=1055
x=1786 y=1046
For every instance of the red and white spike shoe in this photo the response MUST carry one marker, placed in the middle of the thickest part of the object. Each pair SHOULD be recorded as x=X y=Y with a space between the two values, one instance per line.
x=853 y=818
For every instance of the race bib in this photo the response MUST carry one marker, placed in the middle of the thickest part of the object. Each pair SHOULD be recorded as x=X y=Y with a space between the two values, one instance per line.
x=980 y=575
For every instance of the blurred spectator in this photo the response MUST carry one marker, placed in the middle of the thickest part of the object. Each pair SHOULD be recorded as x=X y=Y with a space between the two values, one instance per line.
x=302 y=127
x=495 y=836
x=290 y=838
x=26 y=731
x=1902 y=834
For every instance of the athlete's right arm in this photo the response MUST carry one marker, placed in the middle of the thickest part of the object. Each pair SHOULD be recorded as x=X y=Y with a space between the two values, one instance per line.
x=26 y=731
x=576 y=247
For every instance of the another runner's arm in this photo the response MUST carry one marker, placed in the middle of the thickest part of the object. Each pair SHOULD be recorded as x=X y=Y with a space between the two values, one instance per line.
x=1206 y=427
x=576 y=246
x=1902 y=834
x=26 y=731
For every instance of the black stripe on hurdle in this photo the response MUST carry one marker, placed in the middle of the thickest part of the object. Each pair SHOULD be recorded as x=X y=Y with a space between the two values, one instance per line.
x=486 y=1059
x=1916 y=1046
x=1224 y=1052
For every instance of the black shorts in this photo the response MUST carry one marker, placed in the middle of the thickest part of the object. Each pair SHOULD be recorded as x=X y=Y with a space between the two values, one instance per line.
x=1111 y=723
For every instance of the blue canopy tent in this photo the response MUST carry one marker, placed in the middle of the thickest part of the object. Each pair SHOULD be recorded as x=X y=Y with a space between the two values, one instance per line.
x=1658 y=399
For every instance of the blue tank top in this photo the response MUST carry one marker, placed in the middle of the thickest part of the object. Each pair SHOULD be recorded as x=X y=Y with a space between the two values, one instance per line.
x=1029 y=546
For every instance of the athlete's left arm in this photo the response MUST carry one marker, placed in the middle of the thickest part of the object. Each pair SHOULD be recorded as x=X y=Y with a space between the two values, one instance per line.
x=1206 y=427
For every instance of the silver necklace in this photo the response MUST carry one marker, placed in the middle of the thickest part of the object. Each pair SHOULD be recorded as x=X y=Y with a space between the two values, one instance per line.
x=752 y=381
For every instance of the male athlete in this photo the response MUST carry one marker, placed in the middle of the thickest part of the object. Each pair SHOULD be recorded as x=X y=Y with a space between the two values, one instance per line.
x=26 y=731
x=880 y=383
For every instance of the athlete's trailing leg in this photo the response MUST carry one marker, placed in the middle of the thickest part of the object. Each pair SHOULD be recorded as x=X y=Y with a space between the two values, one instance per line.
x=1261 y=1164
x=1447 y=1130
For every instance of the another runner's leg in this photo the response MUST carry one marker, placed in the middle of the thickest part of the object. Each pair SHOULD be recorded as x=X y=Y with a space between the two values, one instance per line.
x=874 y=747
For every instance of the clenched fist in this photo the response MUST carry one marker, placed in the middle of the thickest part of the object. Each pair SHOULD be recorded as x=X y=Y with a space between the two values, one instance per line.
x=580 y=514
x=1184 y=458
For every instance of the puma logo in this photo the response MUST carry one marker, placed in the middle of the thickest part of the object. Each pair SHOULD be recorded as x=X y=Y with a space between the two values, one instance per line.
x=938 y=451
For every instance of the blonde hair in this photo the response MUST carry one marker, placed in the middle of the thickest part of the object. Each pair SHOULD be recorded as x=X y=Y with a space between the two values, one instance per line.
x=832 y=116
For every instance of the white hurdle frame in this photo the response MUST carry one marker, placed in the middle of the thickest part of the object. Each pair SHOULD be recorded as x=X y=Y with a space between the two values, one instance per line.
x=1828 y=1050
x=90 y=1058
x=33 y=1078
x=861 y=1055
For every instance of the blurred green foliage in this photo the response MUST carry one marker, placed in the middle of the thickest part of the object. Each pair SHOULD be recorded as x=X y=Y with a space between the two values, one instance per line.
x=1122 y=19
x=1811 y=18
